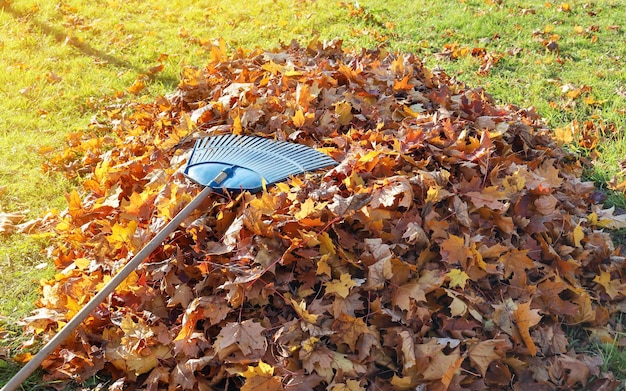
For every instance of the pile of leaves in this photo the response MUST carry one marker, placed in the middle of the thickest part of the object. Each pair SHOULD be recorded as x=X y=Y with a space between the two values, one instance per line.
x=452 y=247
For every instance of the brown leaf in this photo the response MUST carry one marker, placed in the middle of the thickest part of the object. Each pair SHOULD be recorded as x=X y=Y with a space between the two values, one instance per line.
x=246 y=336
x=490 y=197
x=9 y=221
x=485 y=352
x=416 y=290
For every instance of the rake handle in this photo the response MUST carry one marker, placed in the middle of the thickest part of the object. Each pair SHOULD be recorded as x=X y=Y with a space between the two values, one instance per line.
x=81 y=315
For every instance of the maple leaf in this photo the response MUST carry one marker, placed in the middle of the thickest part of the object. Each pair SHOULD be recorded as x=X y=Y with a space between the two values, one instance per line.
x=396 y=191
x=122 y=235
x=612 y=287
x=490 y=197
x=402 y=85
x=525 y=318
x=457 y=277
x=246 y=336
x=417 y=289
x=485 y=352
x=136 y=334
x=261 y=378
x=302 y=312
x=348 y=330
x=134 y=362
x=454 y=251
x=184 y=373
x=516 y=261
x=137 y=86
x=342 y=286
x=298 y=119
x=439 y=365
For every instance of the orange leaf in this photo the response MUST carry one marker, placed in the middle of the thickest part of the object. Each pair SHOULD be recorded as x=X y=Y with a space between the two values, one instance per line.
x=137 y=86
x=454 y=251
x=75 y=207
x=525 y=318
x=402 y=85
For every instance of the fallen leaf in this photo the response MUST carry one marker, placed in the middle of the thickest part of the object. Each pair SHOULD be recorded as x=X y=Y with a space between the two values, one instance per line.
x=261 y=378
x=247 y=336
x=525 y=318
x=485 y=352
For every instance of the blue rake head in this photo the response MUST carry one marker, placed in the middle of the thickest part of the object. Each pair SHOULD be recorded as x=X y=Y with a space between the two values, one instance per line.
x=248 y=163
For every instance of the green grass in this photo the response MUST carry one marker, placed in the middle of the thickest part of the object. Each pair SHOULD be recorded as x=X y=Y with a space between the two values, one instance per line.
x=62 y=60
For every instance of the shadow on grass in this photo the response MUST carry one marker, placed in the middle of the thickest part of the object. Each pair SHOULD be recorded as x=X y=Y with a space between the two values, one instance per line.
x=85 y=48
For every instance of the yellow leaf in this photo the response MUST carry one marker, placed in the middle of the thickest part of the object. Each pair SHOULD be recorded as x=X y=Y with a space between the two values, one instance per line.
x=298 y=119
x=371 y=156
x=261 y=378
x=75 y=207
x=237 y=129
x=343 y=110
x=613 y=288
x=436 y=193
x=122 y=235
x=266 y=204
x=273 y=68
x=326 y=244
x=135 y=362
x=349 y=385
x=301 y=310
x=457 y=278
x=564 y=135
x=306 y=208
x=323 y=267
x=340 y=287
x=82 y=263
x=23 y=357
x=578 y=235
x=403 y=383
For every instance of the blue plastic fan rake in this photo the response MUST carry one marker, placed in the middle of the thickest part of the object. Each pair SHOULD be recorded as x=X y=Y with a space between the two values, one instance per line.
x=247 y=163
x=221 y=162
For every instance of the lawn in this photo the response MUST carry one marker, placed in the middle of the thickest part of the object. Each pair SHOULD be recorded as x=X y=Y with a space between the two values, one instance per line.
x=62 y=62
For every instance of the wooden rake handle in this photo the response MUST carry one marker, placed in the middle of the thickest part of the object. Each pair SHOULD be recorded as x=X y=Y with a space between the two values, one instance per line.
x=81 y=315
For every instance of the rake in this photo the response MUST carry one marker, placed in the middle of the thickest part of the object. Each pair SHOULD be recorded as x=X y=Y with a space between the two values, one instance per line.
x=230 y=162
